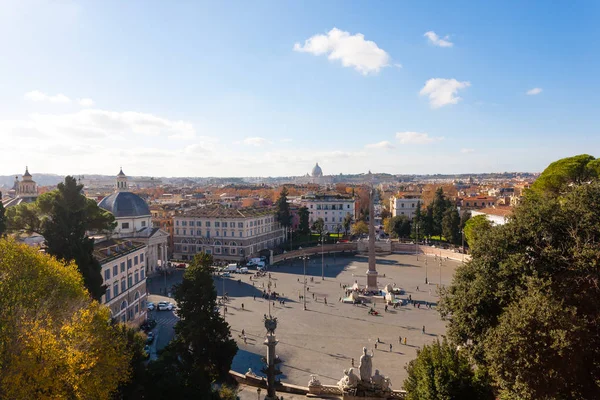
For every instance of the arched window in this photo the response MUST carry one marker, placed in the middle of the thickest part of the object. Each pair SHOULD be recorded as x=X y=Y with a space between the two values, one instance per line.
x=137 y=295
x=123 y=305
x=217 y=243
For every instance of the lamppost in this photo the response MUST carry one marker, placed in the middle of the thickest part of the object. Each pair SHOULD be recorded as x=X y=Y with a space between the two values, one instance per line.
x=323 y=256
x=304 y=277
x=426 y=269
x=417 y=242
x=224 y=307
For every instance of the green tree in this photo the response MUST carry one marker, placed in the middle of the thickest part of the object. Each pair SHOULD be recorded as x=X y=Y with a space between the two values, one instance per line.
x=284 y=217
x=535 y=354
x=576 y=170
x=440 y=371
x=55 y=342
x=554 y=240
x=203 y=344
x=360 y=227
x=134 y=340
x=347 y=223
x=65 y=231
x=451 y=225
x=418 y=220
x=475 y=227
x=400 y=226
x=303 y=223
x=2 y=218
x=465 y=216
x=319 y=226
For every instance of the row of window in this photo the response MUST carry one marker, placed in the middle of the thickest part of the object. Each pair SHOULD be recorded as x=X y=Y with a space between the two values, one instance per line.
x=412 y=205
x=331 y=206
x=482 y=204
x=132 y=279
x=115 y=270
x=198 y=232
x=125 y=225
x=225 y=224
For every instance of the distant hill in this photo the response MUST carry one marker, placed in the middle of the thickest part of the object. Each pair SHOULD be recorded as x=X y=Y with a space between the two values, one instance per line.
x=7 y=181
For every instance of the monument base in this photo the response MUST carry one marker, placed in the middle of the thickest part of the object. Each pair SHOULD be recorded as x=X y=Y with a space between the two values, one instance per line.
x=372 y=281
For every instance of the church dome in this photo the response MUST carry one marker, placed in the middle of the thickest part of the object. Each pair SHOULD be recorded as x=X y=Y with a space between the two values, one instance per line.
x=316 y=171
x=125 y=204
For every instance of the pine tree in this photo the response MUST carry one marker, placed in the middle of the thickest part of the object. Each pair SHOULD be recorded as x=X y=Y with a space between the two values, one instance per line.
x=283 y=209
x=65 y=233
x=303 y=225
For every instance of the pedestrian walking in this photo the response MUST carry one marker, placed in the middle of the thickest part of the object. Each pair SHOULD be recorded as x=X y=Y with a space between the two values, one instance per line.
x=386 y=307
x=405 y=341
x=325 y=300
x=376 y=346
x=254 y=297
x=243 y=332
x=390 y=347
x=353 y=362
x=423 y=328
x=399 y=339
x=242 y=306
x=313 y=295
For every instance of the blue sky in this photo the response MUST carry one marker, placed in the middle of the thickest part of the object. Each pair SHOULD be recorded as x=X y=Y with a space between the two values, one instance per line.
x=268 y=88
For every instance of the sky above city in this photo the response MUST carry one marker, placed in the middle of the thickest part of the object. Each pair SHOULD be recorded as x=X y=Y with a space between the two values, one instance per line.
x=269 y=88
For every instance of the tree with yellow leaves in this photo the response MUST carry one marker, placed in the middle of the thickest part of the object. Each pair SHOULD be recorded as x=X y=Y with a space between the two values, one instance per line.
x=55 y=342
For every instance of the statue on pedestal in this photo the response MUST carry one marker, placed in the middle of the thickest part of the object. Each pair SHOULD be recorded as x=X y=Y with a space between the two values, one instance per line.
x=380 y=382
x=349 y=381
x=366 y=366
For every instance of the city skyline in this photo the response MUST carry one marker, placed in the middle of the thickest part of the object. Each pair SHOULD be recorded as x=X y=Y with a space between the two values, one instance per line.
x=270 y=90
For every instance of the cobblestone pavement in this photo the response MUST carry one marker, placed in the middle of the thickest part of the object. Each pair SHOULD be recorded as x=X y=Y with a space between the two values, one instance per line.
x=323 y=339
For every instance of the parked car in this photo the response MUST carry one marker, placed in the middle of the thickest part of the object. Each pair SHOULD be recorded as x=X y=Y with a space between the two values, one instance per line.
x=164 y=306
x=151 y=306
x=147 y=351
x=226 y=274
x=150 y=338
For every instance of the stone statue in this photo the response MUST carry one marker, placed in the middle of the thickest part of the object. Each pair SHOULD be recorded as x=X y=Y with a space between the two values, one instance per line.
x=270 y=324
x=377 y=380
x=349 y=381
x=314 y=381
x=366 y=365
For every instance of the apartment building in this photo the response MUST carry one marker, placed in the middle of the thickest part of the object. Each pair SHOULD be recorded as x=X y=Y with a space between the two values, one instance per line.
x=404 y=205
x=333 y=208
x=124 y=274
x=229 y=234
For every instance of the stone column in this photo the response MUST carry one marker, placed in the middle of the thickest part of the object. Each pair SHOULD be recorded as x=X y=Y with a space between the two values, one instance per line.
x=372 y=272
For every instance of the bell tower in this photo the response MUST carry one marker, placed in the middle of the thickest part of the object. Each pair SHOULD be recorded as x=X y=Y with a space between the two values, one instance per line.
x=121 y=181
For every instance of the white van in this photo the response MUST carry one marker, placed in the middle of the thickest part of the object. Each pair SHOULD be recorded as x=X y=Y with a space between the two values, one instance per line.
x=242 y=270
x=253 y=262
x=231 y=268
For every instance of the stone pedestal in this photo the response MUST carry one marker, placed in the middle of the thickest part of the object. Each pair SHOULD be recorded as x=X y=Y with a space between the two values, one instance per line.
x=271 y=369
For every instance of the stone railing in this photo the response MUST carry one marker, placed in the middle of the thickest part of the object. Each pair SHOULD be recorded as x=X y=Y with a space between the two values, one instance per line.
x=317 y=250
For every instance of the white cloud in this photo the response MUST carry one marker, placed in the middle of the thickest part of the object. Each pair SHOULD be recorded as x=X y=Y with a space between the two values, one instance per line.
x=255 y=141
x=286 y=140
x=380 y=145
x=37 y=96
x=97 y=124
x=466 y=151
x=86 y=102
x=534 y=91
x=417 y=138
x=442 y=92
x=435 y=40
x=352 y=50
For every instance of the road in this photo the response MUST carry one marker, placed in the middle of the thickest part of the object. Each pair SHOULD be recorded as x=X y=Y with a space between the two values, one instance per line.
x=165 y=320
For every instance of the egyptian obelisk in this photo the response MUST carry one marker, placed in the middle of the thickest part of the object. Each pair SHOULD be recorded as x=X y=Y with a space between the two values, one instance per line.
x=372 y=272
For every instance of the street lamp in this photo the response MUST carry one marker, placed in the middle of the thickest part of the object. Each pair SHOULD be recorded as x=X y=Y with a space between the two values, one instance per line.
x=304 y=277
x=426 y=269
x=323 y=256
x=417 y=242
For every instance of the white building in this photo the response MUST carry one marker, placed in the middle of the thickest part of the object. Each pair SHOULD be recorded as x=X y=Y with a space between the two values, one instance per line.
x=124 y=274
x=226 y=233
x=404 y=206
x=134 y=221
x=332 y=208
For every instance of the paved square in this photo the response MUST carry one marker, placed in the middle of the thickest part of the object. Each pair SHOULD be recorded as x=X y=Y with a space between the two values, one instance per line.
x=323 y=339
